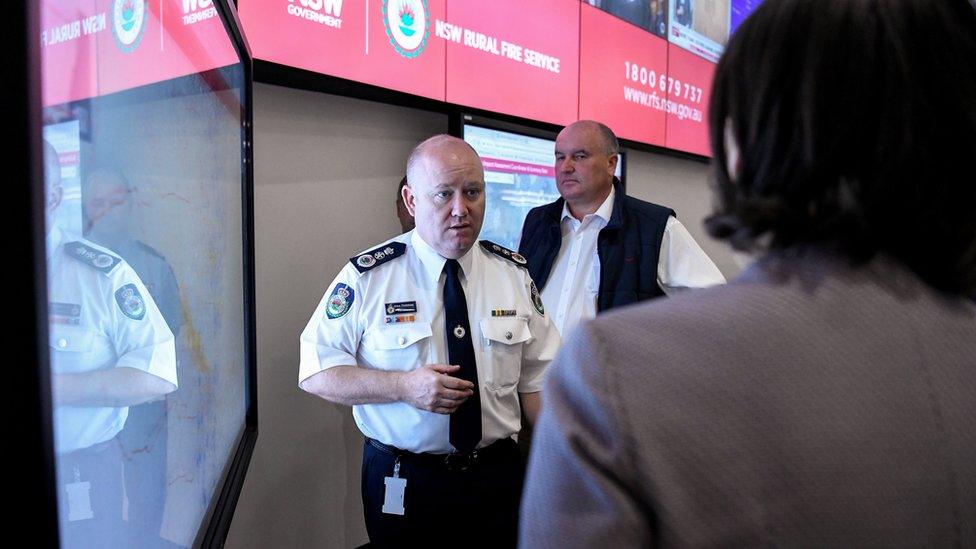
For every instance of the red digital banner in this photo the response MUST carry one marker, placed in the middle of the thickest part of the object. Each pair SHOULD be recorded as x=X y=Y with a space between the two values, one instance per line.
x=623 y=77
x=388 y=43
x=555 y=61
x=96 y=47
x=689 y=89
x=514 y=57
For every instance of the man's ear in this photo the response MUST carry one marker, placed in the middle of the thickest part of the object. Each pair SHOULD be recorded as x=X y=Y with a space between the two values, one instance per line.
x=409 y=199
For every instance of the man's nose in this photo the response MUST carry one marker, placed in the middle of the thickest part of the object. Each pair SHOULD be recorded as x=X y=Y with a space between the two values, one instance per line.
x=458 y=206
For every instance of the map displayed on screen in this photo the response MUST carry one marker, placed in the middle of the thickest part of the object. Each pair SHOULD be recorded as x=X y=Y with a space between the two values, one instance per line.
x=519 y=176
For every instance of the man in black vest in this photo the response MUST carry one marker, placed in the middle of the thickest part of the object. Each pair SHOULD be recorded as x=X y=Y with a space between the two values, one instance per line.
x=596 y=248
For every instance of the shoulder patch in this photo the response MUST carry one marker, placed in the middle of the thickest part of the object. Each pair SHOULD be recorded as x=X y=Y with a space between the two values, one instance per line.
x=95 y=258
x=340 y=301
x=373 y=258
x=130 y=302
x=537 y=300
x=503 y=252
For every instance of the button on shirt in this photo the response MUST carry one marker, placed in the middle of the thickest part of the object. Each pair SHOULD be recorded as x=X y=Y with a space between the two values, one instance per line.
x=89 y=330
x=570 y=294
x=513 y=342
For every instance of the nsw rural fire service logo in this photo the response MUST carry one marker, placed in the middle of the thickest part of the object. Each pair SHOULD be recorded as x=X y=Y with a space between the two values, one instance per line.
x=128 y=23
x=407 y=25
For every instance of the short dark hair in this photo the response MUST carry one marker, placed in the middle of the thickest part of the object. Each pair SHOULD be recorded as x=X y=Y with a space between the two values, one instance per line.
x=856 y=122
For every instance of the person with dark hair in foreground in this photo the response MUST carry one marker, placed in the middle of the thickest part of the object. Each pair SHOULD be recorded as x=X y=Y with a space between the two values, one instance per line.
x=826 y=396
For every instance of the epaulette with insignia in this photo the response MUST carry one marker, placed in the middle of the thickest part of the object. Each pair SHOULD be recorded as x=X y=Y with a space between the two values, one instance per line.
x=371 y=259
x=97 y=259
x=504 y=252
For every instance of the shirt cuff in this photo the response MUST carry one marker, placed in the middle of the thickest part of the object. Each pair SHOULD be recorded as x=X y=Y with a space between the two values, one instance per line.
x=316 y=358
x=158 y=360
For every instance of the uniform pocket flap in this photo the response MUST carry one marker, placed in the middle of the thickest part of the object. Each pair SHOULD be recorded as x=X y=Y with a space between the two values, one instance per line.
x=509 y=331
x=399 y=337
x=71 y=338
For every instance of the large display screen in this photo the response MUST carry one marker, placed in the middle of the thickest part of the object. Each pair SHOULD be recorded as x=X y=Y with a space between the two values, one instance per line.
x=519 y=176
x=144 y=110
x=554 y=61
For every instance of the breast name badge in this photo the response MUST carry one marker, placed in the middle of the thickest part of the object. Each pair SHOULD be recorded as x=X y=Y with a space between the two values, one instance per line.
x=64 y=313
x=400 y=312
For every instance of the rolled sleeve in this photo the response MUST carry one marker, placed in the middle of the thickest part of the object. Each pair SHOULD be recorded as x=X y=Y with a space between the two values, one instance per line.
x=145 y=343
x=328 y=342
x=682 y=263
x=538 y=352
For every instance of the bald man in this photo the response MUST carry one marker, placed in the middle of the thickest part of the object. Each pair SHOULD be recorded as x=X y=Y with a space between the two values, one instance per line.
x=596 y=248
x=111 y=351
x=439 y=343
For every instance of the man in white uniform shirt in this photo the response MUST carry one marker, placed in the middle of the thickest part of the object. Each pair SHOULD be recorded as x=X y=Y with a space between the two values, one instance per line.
x=110 y=349
x=439 y=343
x=596 y=248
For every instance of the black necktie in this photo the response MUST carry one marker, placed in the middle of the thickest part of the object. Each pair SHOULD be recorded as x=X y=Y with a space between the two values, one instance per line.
x=466 y=420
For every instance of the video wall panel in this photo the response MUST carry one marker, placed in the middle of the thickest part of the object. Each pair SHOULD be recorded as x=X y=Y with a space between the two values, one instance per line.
x=644 y=67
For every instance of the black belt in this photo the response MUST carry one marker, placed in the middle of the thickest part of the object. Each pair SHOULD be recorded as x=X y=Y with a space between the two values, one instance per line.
x=455 y=461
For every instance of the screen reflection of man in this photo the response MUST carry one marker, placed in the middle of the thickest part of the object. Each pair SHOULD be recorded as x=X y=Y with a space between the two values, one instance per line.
x=110 y=222
x=110 y=349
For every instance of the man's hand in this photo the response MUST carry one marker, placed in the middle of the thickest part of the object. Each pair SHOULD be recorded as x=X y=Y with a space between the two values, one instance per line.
x=431 y=388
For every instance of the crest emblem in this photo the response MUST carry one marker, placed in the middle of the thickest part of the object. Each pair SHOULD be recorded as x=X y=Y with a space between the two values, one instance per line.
x=407 y=25
x=130 y=302
x=340 y=301
x=365 y=261
x=537 y=300
x=129 y=23
x=102 y=260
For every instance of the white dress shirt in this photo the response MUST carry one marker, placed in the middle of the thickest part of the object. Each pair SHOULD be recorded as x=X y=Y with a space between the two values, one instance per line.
x=100 y=317
x=570 y=294
x=515 y=340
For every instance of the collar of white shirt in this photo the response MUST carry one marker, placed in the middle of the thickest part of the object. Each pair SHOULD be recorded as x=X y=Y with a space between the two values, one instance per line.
x=433 y=262
x=603 y=212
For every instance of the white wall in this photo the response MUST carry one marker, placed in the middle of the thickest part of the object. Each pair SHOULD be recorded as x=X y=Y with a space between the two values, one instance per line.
x=326 y=174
